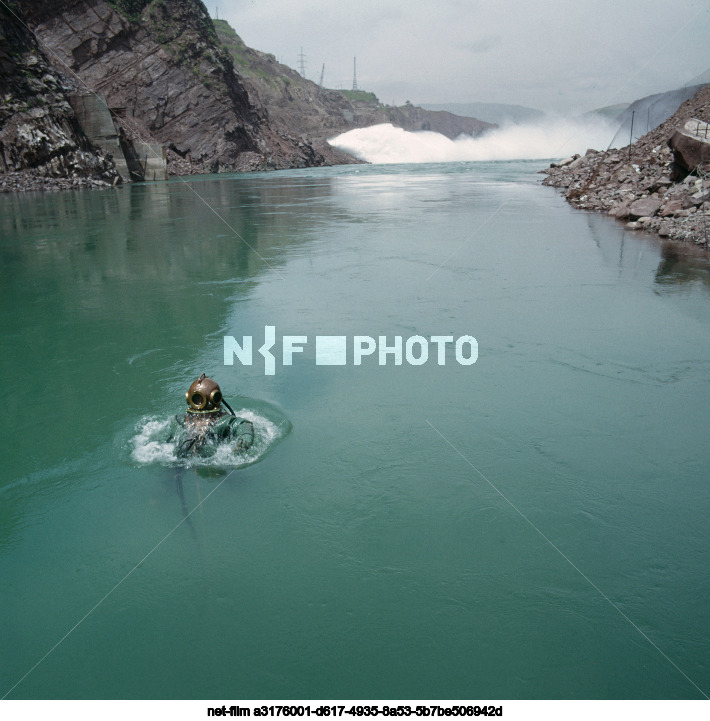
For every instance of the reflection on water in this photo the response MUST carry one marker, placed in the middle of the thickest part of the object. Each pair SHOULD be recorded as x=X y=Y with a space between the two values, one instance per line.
x=129 y=279
x=129 y=233
x=635 y=252
x=683 y=263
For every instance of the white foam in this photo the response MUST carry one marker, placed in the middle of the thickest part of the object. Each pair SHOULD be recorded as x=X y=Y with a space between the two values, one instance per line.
x=149 y=449
x=550 y=138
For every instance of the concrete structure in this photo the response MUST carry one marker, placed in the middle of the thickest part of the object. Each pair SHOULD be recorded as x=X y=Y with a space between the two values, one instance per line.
x=95 y=119
x=146 y=161
x=155 y=165
x=135 y=161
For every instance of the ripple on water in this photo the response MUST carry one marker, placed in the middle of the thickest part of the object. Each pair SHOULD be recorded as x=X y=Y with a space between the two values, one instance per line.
x=149 y=448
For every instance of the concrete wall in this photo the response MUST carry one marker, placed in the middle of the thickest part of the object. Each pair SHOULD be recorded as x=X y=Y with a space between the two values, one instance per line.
x=151 y=159
x=96 y=121
x=133 y=160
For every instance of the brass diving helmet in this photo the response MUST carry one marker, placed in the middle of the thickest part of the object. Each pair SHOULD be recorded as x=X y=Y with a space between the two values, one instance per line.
x=204 y=395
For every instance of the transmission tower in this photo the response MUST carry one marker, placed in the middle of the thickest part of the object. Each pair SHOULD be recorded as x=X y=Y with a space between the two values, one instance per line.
x=355 y=73
x=302 y=63
x=322 y=71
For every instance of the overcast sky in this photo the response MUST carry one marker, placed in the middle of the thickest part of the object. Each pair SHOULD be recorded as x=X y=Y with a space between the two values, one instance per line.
x=562 y=55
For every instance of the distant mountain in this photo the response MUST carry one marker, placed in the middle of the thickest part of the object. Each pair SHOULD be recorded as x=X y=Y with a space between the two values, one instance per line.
x=647 y=113
x=702 y=79
x=610 y=112
x=497 y=113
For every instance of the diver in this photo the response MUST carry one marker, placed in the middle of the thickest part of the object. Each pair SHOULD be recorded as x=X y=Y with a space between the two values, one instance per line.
x=206 y=423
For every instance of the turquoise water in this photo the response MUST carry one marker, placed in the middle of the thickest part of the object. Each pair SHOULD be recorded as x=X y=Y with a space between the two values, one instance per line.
x=534 y=525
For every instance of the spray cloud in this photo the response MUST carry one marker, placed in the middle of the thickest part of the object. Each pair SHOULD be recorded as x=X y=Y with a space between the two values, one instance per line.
x=552 y=137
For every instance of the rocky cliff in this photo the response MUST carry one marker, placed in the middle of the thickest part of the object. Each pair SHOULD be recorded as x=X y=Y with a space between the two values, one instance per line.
x=163 y=73
x=41 y=142
x=649 y=185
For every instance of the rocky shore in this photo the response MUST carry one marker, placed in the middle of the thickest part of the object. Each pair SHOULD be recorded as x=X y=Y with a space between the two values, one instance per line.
x=652 y=184
x=28 y=180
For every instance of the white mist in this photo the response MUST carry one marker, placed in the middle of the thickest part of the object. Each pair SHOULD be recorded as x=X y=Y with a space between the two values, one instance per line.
x=553 y=137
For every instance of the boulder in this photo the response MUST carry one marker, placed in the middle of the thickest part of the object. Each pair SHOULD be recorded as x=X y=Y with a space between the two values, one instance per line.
x=654 y=184
x=644 y=207
x=671 y=207
x=565 y=162
x=665 y=229
x=620 y=209
x=691 y=146
x=682 y=195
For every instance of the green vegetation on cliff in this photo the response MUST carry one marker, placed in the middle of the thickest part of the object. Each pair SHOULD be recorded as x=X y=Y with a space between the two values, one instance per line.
x=248 y=62
x=130 y=9
x=264 y=67
x=228 y=35
x=360 y=96
x=168 y=20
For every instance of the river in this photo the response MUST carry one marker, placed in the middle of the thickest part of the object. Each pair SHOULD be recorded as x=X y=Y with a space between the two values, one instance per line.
x=531 y=525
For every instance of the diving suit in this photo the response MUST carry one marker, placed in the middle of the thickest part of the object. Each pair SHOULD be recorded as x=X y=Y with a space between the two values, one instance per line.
x=206 y=423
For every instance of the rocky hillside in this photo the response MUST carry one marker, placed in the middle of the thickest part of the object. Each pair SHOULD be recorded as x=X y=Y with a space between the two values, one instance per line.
x=38 y=128
x=165 y=78
x=647 y=185
x=161 y=68
x=302 y=107
x=499 y=113
x=648 y=113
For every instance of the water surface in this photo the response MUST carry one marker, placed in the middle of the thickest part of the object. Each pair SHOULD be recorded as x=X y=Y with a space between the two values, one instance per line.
x=532 y=526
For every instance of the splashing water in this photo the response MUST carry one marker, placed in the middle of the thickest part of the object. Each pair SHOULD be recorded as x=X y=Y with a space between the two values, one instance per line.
x=148 y=448
x=551 y=138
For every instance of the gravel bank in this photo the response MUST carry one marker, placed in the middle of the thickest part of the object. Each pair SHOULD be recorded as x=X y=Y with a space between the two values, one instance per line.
x=644 y=184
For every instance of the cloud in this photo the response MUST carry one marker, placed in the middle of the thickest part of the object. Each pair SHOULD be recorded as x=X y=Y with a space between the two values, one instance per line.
x=553 y=54
x=482 y=45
